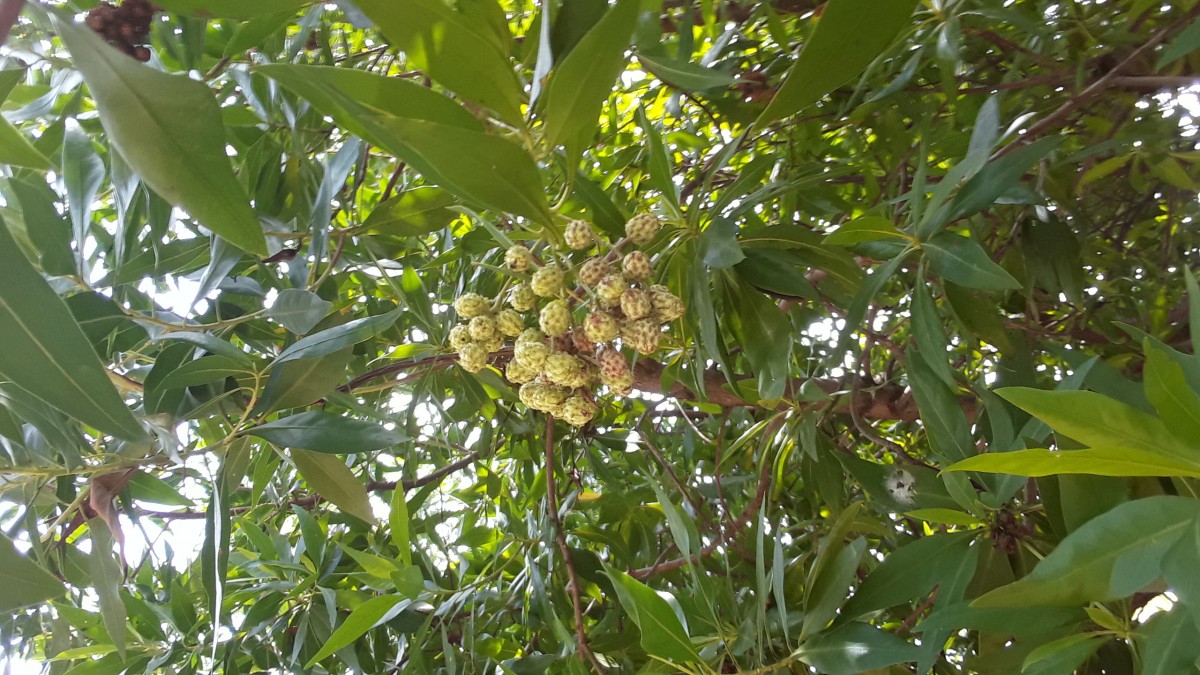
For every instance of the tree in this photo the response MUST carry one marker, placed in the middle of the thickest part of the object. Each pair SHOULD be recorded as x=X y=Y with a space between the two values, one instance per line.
x=870 y=329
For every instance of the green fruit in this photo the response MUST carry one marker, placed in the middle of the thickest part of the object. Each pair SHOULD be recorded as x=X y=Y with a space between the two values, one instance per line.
x=621 y=385
x=523 y=298
x=473 y=357
x=531 y=335
x=460 y=336
x=601 y=327
x=519 y=372
x=510 y=323
x=576 y=411
x=565 y=370
x=610 y=288
x=593 y=270
x=612 y=364
x=637 y=266
x=518 y=258
x=483 y=328
x=555 y=318
x=547 y=282
x=635 y=304
x=533 y=354
x=641 y=335
x=667 y=306
x=578 y=235
x=641 y=228
x=471 y=305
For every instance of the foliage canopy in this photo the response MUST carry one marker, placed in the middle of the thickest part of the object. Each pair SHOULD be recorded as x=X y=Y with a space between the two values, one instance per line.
x=931 y=405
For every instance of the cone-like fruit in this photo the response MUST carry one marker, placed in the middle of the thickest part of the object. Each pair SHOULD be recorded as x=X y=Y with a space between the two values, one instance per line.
x=637 y=266
x=610 y=288
x=635 y=303
x=641 y=228
x=460 y=336
x=547 y=282
x=641 y=335
x=565 y=370
x=473 y=357
x=471 y=305
x=612 y=363
x=523 y=298
x=555 y=318
x=577 y=411
x=518 y=258
x=519 y=372
x=593 y=270
x=483 y=328
x=494 y=343
x=531 y=335
x=532 y=354
x=601 y=327
x=510 y=323
x=578 y=234
x=580 y=341
x=667 y=305
x=621 y=385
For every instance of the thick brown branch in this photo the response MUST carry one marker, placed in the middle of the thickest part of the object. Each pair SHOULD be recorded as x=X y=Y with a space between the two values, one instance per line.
x=9 y=11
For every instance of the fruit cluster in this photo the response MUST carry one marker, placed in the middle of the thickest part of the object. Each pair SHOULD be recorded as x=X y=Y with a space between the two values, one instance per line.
x=581 y=331
x=126 y=27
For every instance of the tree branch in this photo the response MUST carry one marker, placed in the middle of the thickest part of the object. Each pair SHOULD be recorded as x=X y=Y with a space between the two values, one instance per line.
x=9 y=11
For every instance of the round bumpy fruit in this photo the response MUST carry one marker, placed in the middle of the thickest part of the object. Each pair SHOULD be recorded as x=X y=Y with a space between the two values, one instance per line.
x=473 y=357
x=519 y=372
x=642 y=335
x=471 y=305
x=621 y=385
x=635 y=304
x=577 y=411
x=637 y=266
x=460 y=336
x=593 y=270
x=544 y=397
x=601 y=327
x=510 y=323
x=523 y=298
x=578 y=235
x=483 y=328
x=555 y=318
x=531 y=335
x=493 y=344
x=565 y=370
x=641 y=228
x=612 y=364
x=547 y=282
x=667 y=305
x=610 y=288
x=518 y=258
x=532 y=354
x=580 y=341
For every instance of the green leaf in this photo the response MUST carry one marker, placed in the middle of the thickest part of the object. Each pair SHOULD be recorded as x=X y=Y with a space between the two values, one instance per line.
x=412 y=213
x=684 y=75
x=395 y=96
x=777 y=271
x=209 y=343
x=719 y=243
x=1110 y=556
x=321 y=431
x=855 y=648
x=233 y=9
x=1168 y=391
x=298 y=310
x=46 y=354
x=1179 y=570
x=334 y=339
x=25 y=582
x=453 y=49
x=1062 y=656
x=909 y=572
x=107 y=580
x=848 y=37
x=169 y=130
x=828 y=590
x=764 y=332
x=398 y=522
x=996 y=178
x=1097 y=461
x=658 y=161
x=204 y=370
x=333 y=480
x=963 y=261
x=145 y=487
x=300 y=382
x=860 y=230
x=1096 y=420
x=930 y=334
x=1171 y=642
x=366 y=616
x=1009 y=621
x=16 y=150
x=1185 y=42
x=580 y=84
x=941 y=413
x=662 y=633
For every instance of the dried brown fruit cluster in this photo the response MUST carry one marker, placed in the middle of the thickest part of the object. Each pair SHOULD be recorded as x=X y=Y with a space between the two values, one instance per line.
x=126 y=27
x=582 y=332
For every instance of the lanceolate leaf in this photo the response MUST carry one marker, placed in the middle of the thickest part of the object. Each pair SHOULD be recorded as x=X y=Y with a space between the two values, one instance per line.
x=963 y=261
x=46 y=354
x=365 y=617
x=848 y=36
x=15 y=149
x=662 y=634
x=327 y=432
x=855 y=648
x=168 y=128
x=910 y=572
x=330 y=478
x=334 y=339
x=1097 y=461
x=24 y=581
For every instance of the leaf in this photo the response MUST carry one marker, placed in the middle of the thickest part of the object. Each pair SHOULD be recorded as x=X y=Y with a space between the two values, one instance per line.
x=963 y=261
x=107 y=580
x=1099 y=421
x=298 y=310
x=334 y=339
x=333 y=480
x=719 y=244
x=83 y=173
x=662 y=633
x=848 y=36
x=46 y=354
x=908 y=573
x=684 y=75
x=930 y=335
x=400 y=526
x=855 y=648
x=169 y=130
x=1185 y=42
x=377 y=94
x=941 y=413
x=204 y=370
x=1168 y=391
x=1062 y=656
x=1171 y=642
x=16 y=150
x=412 y=213
x=366 y=616
x=145 y=487
x=1110 y=556
x=828 y=590
x=860 y=230
x=452 y=49
x=1016 y=621
x=25 y=582
x=777 y=271
x=233 y=9
x=300 y=382
x=321 y=431
x=1179 y=567
x=209 y=343
x=580 y=84
x=765 y=333
x=1097 y=461
x=998 y=177
x=658 y=161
